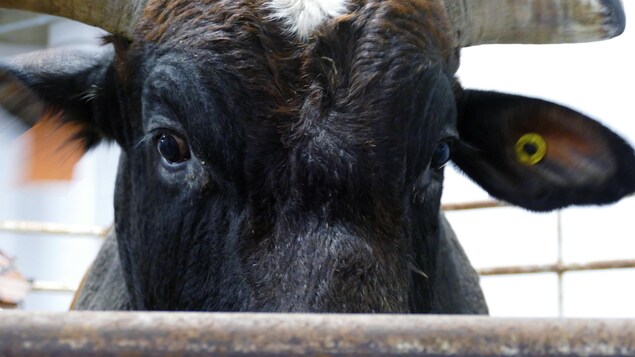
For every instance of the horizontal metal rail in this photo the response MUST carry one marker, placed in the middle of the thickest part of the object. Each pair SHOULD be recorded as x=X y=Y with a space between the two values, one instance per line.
x=49 y=286
x=79 y=230
x=98 y=231
x=448 y=207
x=101 y=232
x=53 y=228
x=52 y=287
x=558 y=268
x=227 y=334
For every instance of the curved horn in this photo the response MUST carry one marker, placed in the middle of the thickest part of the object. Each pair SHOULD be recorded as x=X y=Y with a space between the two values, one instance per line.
x=479 y=22
x=118 y=17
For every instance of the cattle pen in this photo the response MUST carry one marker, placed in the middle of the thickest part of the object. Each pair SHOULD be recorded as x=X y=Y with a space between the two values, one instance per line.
x=563 y=280
x=231 y=334
x=98 y=232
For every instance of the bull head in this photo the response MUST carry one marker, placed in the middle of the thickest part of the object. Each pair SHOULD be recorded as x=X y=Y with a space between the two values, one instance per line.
x=275 y=167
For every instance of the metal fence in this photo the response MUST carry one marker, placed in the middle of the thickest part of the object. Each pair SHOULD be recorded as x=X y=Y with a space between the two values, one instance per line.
x=558 y=267
x=230 y=334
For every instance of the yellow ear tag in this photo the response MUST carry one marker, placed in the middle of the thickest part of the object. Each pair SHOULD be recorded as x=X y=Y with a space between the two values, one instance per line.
x=531 y=148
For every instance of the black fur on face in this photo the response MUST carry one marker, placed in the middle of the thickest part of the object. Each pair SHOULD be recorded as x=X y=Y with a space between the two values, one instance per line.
x=313 y=171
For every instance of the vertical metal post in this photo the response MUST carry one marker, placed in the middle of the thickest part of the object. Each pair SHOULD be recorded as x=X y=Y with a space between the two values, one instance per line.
x=560 y=264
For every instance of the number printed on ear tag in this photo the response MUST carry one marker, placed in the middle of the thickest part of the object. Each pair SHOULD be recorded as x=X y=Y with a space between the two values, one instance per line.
x=531 y=148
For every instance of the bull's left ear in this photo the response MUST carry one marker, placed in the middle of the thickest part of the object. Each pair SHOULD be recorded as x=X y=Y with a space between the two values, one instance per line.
x=76 y=84
x=539 y=155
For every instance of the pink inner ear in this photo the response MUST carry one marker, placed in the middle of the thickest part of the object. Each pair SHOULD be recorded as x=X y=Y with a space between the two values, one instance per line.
x=586 y=161
x=576 y=147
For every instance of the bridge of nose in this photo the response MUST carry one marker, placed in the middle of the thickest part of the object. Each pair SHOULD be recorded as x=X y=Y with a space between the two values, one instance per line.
x=325 y=266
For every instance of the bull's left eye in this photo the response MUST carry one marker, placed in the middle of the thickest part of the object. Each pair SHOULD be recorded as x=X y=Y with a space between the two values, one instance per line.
x=440 y=156
x=173 y=149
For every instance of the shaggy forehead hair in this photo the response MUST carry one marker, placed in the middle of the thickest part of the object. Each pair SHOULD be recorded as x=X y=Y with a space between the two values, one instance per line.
x=298 y=19
x=266 y=44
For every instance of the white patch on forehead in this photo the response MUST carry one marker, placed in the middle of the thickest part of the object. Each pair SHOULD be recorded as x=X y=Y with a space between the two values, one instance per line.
x=302 y=17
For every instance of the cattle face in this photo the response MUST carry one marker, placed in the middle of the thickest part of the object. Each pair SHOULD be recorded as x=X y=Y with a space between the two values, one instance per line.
x=288 y=155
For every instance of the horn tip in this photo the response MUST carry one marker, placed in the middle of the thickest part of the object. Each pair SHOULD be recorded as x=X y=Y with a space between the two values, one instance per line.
x=615 y=18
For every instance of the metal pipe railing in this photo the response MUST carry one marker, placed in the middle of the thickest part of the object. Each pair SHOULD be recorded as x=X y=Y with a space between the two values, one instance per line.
x=50 y=286
x=558 y=268
x=53 y=228
x=464 y=206
x=98 y=231
x=101 y=232
x=230 y=334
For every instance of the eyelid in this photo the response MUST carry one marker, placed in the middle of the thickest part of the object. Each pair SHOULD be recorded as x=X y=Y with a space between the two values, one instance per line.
x=155 y=133
x=450 y=135
x=163 y=122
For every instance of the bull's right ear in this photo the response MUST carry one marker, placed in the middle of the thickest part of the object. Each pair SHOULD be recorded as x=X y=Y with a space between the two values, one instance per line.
x=77 y=85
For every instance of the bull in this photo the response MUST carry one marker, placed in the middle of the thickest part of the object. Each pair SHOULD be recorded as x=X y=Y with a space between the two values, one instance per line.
x=288 y=155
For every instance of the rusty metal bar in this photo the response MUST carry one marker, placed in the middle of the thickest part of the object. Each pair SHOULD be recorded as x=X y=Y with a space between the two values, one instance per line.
x=226 y=334
x=97 y=231
x=447 y=207
x=558 y=268
x=52 y=287
x=46 y=286
x=52 y=228
x=78 y=230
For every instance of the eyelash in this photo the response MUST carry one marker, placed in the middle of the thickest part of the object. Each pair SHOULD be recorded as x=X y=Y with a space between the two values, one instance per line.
x=151 y=136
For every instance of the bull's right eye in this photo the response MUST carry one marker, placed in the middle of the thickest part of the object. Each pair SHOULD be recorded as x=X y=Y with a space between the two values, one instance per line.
x=173 y=149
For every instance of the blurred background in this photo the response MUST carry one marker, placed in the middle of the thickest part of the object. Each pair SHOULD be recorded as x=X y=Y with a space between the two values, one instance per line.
x=41 y=182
